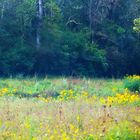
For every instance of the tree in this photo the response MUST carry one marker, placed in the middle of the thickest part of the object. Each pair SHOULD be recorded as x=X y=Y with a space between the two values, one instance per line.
x=137 y=25
x=89 y=37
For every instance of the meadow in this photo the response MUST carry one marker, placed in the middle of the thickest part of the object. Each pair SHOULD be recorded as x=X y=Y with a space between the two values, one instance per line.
x=69 y=109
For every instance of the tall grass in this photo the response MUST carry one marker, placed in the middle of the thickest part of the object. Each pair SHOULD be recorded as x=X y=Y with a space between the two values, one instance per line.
x=68 y=109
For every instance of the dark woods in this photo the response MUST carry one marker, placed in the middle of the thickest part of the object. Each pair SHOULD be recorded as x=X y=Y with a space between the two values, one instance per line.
x=69 y=37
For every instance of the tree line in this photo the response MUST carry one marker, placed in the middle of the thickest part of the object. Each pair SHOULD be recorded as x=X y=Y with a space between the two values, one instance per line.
x=69 y=37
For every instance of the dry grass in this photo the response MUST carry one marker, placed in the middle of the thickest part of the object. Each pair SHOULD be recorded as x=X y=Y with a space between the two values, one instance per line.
x=32 y=119
x=68 y=109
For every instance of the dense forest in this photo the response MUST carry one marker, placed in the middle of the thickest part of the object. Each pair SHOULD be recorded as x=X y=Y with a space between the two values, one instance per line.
x=70 y=37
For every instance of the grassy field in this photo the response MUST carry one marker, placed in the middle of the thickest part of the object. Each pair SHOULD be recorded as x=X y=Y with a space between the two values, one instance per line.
x=68 y=109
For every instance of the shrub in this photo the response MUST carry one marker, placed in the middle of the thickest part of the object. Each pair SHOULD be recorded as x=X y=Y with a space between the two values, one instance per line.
x=132 y=83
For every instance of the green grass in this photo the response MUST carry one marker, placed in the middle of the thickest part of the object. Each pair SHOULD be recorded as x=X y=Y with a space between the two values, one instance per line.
x=52 y=86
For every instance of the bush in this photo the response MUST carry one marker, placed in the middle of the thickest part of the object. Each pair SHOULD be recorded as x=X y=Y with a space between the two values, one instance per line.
x=132 y=83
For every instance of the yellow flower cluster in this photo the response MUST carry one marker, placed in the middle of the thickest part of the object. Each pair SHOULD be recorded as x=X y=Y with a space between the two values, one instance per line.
x=71 y=94
x=134 y=77
x=67 y=94
x=124 y=98
x=49 y=99
x=3 y=91
x=6 y=91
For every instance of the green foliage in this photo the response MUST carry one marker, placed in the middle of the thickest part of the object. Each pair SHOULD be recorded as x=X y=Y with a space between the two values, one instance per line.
x=90 y=137
x=132 y=83
x=122 y=132
x=137 y=25
x=16 y=59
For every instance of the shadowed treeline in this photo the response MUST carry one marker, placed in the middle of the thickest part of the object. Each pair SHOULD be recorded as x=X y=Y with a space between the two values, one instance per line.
x=69 y=37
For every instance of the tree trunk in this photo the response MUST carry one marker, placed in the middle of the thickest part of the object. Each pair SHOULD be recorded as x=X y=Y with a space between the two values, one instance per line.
x=90 y=21
x=2 y=10
x=39 y=23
